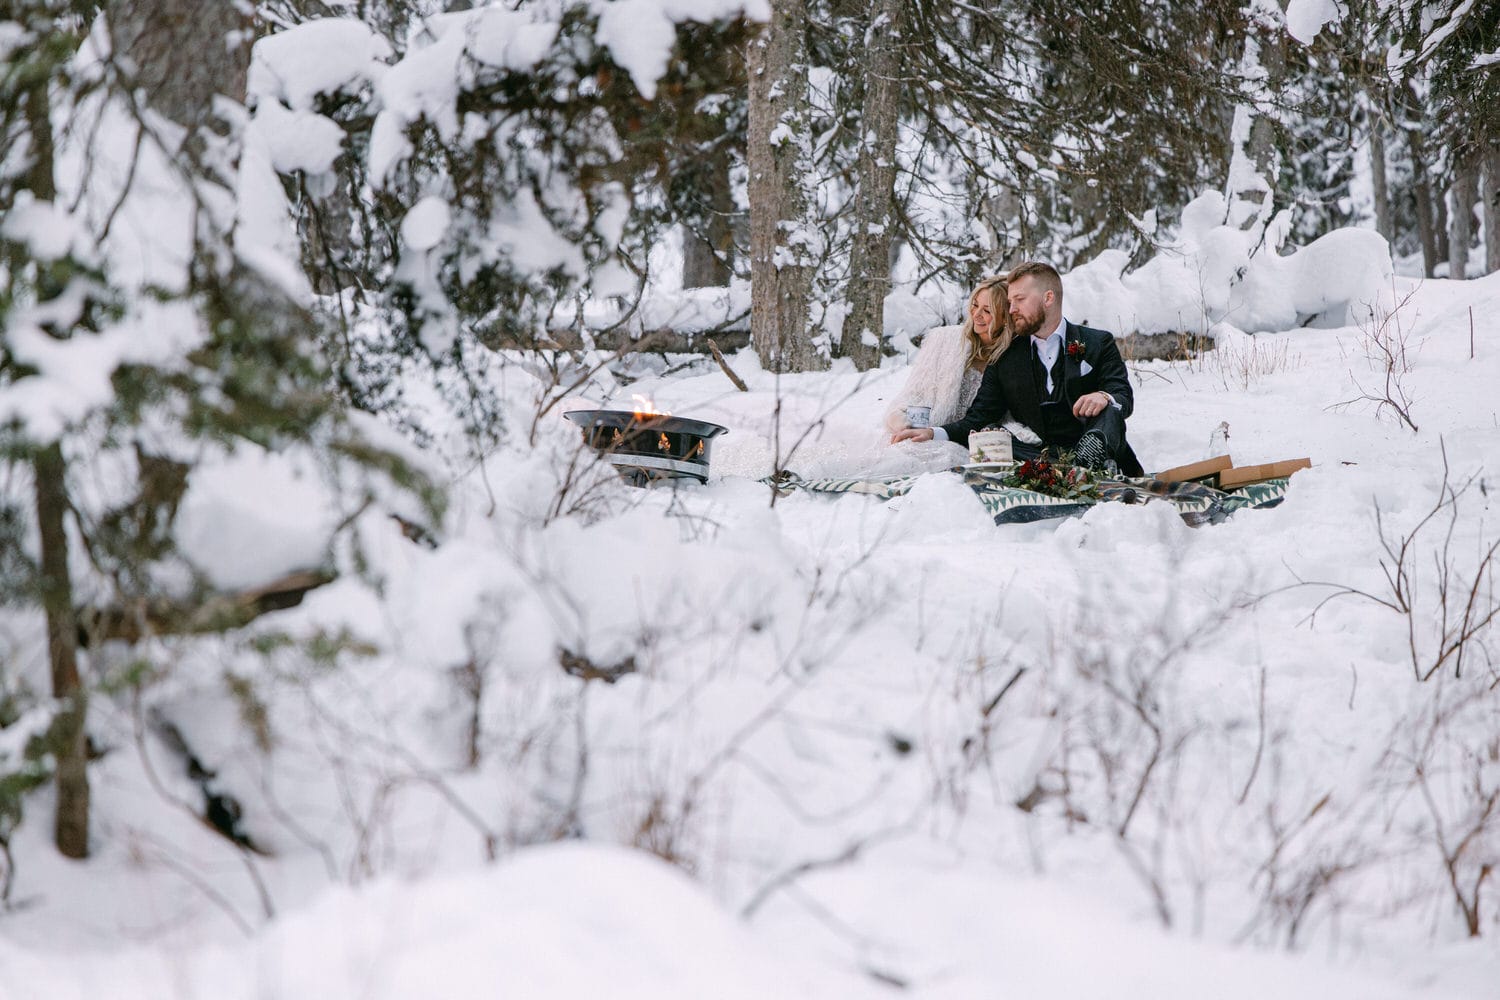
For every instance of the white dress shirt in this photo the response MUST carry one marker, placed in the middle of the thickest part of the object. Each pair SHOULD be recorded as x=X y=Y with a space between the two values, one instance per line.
x=1047 y=349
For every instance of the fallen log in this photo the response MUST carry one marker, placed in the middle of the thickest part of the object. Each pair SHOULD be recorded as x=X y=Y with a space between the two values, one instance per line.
x=622 y=341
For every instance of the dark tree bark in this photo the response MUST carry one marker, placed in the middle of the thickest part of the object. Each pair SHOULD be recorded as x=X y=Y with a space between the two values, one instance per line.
x=67 y=737
x=1382 y=194
x=181 y=53
x=1422 y=189
x=702 y=264
x=708 y=245
x=874 y=201
x=1490 y=193
x=779 y=158
x=1461 y=223
x=707 y=252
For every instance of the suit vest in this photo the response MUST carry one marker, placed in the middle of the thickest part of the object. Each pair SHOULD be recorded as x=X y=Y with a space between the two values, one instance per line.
x=1059 y=426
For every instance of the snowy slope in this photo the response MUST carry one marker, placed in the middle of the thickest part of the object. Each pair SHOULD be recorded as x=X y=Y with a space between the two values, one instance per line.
x=806 y=731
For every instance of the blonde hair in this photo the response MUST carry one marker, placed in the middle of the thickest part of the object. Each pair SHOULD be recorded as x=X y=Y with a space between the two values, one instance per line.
x=980 y=353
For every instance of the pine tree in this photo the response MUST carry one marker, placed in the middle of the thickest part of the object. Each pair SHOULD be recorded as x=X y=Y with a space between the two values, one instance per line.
x=108 y=329
x=1451 y=98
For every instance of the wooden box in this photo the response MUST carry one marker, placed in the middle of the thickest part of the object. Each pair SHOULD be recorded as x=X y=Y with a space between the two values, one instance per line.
x=1243 y=476
x=1206 y=470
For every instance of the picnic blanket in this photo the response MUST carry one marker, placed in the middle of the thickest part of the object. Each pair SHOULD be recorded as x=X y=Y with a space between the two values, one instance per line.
x=1196 y=503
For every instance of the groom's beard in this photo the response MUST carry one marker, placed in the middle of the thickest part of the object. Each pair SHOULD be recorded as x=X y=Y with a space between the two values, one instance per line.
x=1026 y=326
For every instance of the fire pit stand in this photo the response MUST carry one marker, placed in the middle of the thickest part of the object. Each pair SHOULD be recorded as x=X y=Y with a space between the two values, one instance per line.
x=648 y=447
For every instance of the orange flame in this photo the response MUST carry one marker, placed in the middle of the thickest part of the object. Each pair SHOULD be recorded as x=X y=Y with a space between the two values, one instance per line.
x=645 y=408
x=662 y=444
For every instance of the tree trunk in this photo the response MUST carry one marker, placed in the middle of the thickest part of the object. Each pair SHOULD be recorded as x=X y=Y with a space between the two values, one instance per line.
x=784 y=245
x=1261 y=147
x=702 y=267
x=68 y=735
x=183 y=52
x=1422 y=189
x=1439 y=218
x=1255 y=160
x=1461 y=221
x=707 y=253
x=1491 y=196
x=1382 y=194
x=869 y=256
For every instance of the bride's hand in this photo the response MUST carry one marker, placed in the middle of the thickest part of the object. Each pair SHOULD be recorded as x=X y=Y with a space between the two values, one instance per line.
x=912 y=434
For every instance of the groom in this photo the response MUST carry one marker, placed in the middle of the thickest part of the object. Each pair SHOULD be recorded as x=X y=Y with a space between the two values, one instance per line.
x=1067 y=383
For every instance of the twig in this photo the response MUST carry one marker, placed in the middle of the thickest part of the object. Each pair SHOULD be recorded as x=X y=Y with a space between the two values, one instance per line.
x=848 y=854
x=739 y=383
x=994 y=702
x=1260 y=745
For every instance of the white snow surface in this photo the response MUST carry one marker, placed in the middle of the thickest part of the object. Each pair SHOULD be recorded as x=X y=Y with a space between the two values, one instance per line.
x=578 y=922
x=640 y=33
x=322 y=56
x=805 y=729
x=252 y=516
x=425 y=82
x=1209 y=273
x=1305 y=18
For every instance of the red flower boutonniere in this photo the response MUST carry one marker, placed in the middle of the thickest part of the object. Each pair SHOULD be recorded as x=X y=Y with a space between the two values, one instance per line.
x=1075 y=350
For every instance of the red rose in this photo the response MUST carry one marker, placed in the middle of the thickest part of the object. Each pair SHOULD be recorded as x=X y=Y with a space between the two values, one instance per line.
x=1075 y=350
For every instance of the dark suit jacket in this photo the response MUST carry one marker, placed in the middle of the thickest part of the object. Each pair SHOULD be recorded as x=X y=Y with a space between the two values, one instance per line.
x=1010 y=387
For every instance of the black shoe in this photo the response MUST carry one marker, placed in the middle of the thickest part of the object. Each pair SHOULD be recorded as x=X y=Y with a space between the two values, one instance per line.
x=1090 y=452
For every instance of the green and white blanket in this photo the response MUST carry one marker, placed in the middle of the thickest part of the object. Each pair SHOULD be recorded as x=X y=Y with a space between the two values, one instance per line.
x=1195 y=502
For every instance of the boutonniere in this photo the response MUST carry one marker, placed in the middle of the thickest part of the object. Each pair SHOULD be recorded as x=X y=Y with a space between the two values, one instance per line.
x=1075 y=350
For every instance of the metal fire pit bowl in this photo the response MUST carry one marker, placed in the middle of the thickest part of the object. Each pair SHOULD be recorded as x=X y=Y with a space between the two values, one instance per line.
x=646 y=448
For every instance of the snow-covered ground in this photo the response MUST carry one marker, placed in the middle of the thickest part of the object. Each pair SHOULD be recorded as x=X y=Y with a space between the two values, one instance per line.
x=899 y=750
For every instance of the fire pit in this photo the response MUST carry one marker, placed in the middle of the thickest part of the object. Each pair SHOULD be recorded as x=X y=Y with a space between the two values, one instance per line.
x=648 y=447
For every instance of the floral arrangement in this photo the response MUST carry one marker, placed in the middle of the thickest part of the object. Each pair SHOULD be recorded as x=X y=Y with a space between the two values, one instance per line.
x=1058 y=479
x=1075 y=349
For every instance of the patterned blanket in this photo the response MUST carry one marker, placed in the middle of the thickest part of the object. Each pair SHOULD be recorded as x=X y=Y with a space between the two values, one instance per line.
x=1195 y=502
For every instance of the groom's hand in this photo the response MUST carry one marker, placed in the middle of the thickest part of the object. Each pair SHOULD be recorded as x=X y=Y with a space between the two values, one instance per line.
x=912 y=434
x=1091 y=405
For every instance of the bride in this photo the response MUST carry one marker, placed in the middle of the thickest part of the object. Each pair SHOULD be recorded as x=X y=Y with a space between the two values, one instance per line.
x=950 y=363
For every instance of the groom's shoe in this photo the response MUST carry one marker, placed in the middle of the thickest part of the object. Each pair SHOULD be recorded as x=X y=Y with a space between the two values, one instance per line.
x=1090 y=452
